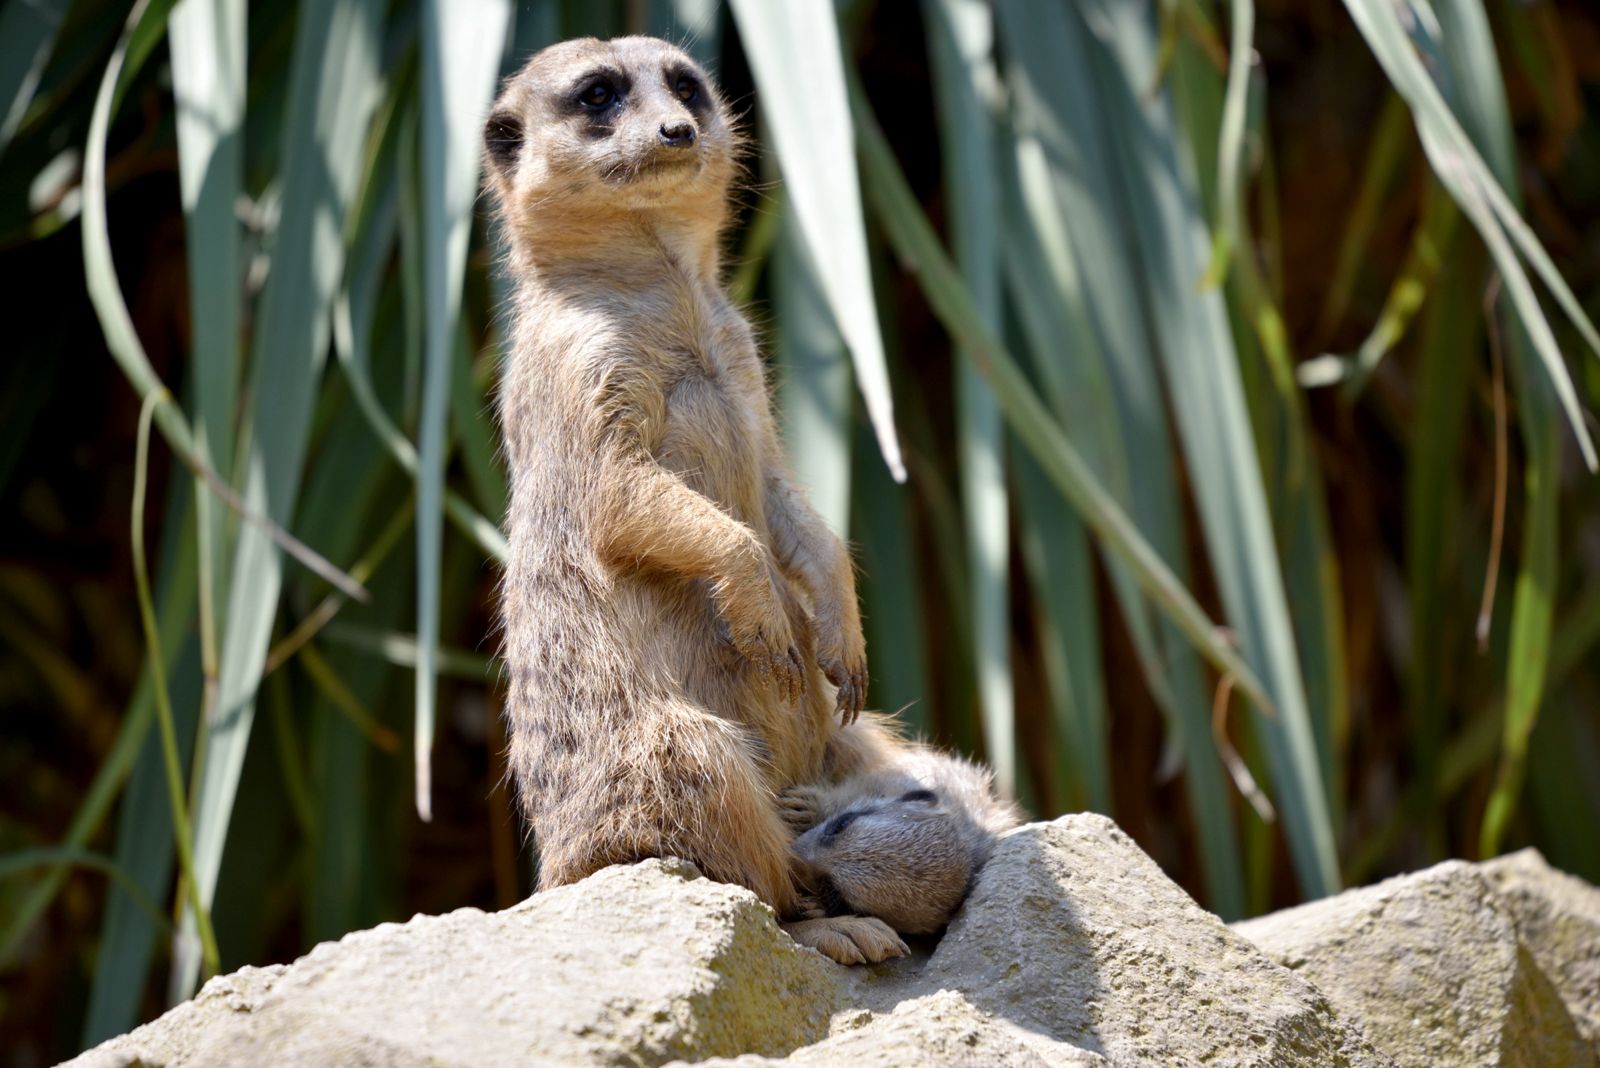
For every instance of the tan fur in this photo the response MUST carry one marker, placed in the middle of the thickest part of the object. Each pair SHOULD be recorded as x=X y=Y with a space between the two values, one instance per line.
x=899 y=833
x=674 y=611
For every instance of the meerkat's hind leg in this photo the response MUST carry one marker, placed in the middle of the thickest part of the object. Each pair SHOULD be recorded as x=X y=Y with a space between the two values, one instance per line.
x=699 y=783
x=849 y=939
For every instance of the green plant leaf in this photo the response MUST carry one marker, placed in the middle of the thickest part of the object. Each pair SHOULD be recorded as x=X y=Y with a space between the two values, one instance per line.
x=27 y=32
x=67 y=856
x=208 y=84
x=797 y=43
x=461 y=46
x=1230 y=138
x=1462 y=170
x=335 y=89
x=1076 y=283
x=966 y=90
x=1201 y=369
x=918 y=248
x=813 y=390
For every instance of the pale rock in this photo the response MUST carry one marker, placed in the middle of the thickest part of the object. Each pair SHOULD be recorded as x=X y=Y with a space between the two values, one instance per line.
x=1431 y=966
x=635 y=965
x=1073 y=949
x=1558 y=920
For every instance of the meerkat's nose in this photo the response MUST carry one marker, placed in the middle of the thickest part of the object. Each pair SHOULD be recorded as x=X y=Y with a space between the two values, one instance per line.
x=677 y=135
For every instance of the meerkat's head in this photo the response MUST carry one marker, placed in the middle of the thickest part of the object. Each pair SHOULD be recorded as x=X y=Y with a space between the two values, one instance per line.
x=908 y=860
x=591 y=129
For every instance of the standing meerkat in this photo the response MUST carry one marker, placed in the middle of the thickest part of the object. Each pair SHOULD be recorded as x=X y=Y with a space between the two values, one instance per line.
x=680 y=626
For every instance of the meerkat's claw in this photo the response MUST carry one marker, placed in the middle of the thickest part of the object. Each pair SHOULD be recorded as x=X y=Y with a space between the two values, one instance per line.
x=782 y=668
x=849 y=939
x=852 y=689
x=797 y=674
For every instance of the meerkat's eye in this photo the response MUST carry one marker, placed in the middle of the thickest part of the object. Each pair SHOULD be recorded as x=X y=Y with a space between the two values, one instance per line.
x=598 y=94
x=920 y=795
x=837 y=825
x=687 y=88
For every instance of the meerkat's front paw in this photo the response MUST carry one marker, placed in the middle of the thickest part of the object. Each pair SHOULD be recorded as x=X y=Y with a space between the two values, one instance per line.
x=849 y=939
x=759 y=629
x=800 y=807
x=842 y=656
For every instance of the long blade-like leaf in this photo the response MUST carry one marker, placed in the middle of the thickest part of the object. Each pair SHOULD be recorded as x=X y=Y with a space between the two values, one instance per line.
x=796 y=43
x=813 y=394
x=966 y=88
x=208 y=83
x=27 y=30
x=1474 y=91
x=1462 y=169
x=1202 y=372
x=1075 y=277
x=335 y=89
x=461 y=45
x=918 y=248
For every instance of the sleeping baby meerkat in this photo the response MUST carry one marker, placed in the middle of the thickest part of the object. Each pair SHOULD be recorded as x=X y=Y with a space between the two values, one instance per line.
x=901 y=837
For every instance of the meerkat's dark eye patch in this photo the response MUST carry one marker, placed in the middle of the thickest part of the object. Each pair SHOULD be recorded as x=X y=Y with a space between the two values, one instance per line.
x=926 y=796
x=502 y=134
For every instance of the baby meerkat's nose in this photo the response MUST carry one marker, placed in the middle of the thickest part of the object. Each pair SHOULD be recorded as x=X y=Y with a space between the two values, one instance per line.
x=677 y=135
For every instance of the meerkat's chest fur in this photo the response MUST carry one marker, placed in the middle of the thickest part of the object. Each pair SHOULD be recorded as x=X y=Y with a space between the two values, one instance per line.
x=715 y=410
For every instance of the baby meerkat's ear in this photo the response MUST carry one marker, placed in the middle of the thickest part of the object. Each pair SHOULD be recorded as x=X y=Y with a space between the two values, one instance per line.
x=502 y=134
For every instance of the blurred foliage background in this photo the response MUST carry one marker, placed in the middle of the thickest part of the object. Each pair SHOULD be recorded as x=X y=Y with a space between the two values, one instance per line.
x=1236 y=295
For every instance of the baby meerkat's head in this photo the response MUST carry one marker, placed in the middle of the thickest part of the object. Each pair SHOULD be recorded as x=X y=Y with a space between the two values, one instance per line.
x=591 y=127
x=908 y=860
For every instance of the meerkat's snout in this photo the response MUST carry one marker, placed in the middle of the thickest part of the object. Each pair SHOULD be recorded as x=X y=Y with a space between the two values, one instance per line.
x=678 y=135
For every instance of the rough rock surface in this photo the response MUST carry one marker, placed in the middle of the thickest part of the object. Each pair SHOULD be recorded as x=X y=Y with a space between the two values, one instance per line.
x=1075 y=933
x=1558 y=920
x=636 y=965
x=1074 y=949
x=1432 y=966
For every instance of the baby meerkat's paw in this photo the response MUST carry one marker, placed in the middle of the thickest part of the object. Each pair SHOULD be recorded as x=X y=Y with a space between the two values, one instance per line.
x=800 y=807
x=849 y=939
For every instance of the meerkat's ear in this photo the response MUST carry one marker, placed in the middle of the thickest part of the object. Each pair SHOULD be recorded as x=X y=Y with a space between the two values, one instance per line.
x=502 y=134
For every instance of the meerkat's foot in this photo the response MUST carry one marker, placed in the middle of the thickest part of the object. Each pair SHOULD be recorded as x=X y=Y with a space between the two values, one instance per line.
x=800 y=807
x=849 y=939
